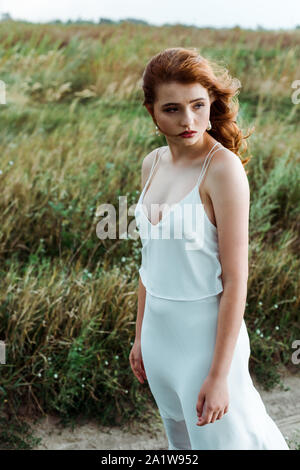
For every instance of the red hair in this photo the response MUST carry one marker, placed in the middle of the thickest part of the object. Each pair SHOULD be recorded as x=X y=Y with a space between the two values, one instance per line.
x=186 y=65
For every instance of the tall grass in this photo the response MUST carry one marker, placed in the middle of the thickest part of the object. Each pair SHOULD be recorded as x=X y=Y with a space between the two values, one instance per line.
x=73 y=135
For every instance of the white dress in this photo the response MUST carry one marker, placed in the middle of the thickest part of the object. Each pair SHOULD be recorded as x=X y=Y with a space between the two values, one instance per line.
x=181 y=272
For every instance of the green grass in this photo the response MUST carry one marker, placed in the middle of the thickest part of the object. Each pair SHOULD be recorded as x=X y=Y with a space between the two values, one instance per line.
x=68 y=299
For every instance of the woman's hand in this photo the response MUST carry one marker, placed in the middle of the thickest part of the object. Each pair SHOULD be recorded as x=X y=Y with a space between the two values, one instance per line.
x=136 y=361
x=213 y=399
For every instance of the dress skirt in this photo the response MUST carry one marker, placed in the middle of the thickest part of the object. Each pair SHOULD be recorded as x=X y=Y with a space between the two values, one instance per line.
x=177 y=343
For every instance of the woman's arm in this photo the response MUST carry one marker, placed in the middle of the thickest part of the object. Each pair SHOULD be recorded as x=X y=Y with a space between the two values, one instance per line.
x=230 y=195
x=140 y=312
x=135 y=356
x=146 y=167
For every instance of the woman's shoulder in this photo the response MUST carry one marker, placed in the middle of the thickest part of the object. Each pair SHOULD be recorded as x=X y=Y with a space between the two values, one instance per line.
x=224 y=160
x=148 y=162
x=224 y=165
x=151 y=156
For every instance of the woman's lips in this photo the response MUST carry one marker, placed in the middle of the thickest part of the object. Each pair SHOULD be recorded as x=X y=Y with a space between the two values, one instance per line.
x=187 y=134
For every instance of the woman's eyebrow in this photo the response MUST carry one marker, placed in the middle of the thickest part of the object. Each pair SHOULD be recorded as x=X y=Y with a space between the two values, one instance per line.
x=192 y=101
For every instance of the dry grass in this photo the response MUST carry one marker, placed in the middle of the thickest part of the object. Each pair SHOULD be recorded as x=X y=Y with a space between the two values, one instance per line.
x=73 y=136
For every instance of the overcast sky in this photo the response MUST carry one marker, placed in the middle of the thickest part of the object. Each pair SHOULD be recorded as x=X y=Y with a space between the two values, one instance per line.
x=271 y=14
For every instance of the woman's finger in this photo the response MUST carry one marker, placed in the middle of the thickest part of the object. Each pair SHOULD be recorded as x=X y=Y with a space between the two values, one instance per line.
x=214 y=416
x=206 y=418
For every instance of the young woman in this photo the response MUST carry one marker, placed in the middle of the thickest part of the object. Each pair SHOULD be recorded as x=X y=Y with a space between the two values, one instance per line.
x=192 y=343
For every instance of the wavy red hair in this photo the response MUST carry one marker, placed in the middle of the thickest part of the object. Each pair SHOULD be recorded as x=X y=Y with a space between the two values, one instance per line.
x=186 y=65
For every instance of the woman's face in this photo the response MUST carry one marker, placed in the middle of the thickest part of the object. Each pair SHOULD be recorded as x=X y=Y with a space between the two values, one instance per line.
x=179 y=107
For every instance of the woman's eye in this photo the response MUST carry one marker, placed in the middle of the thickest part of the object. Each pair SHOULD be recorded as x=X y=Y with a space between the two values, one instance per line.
x=174 y=109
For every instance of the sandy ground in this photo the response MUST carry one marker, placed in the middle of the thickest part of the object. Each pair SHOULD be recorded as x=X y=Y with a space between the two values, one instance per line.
x=282 y=404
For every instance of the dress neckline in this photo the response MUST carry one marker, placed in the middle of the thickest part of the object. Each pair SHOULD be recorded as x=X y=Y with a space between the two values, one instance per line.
x=173 y=205
x=176 y=204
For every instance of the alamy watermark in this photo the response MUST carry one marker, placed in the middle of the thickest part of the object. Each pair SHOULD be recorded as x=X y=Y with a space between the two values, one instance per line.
x=294 y=97
x=296 y=354
x=2 y=92
x=178 y=221
x=2 y=353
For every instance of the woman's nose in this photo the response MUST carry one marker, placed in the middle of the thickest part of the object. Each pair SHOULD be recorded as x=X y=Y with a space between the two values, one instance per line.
x=186 y=119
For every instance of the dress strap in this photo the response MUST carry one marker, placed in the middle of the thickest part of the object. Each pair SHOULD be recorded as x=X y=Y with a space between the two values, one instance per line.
x=155 y=161
x=154 y=164
x=207 y=160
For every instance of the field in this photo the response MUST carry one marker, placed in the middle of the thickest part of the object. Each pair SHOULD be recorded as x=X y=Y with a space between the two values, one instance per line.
x=73 y=136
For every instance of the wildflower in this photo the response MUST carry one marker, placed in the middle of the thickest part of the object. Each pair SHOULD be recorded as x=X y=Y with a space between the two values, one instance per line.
x=116 y=357
x=260 y=303
x=106 y=363
x=261 y=335
x=258 y=331
x=55 y=376
x=82 y=385
x=275 y=306
x=11 y=162
x=123 y=259
x=276 y=327
x=1 y=172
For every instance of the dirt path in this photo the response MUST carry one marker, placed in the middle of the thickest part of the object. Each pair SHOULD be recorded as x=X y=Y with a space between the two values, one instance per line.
x=282 y=403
